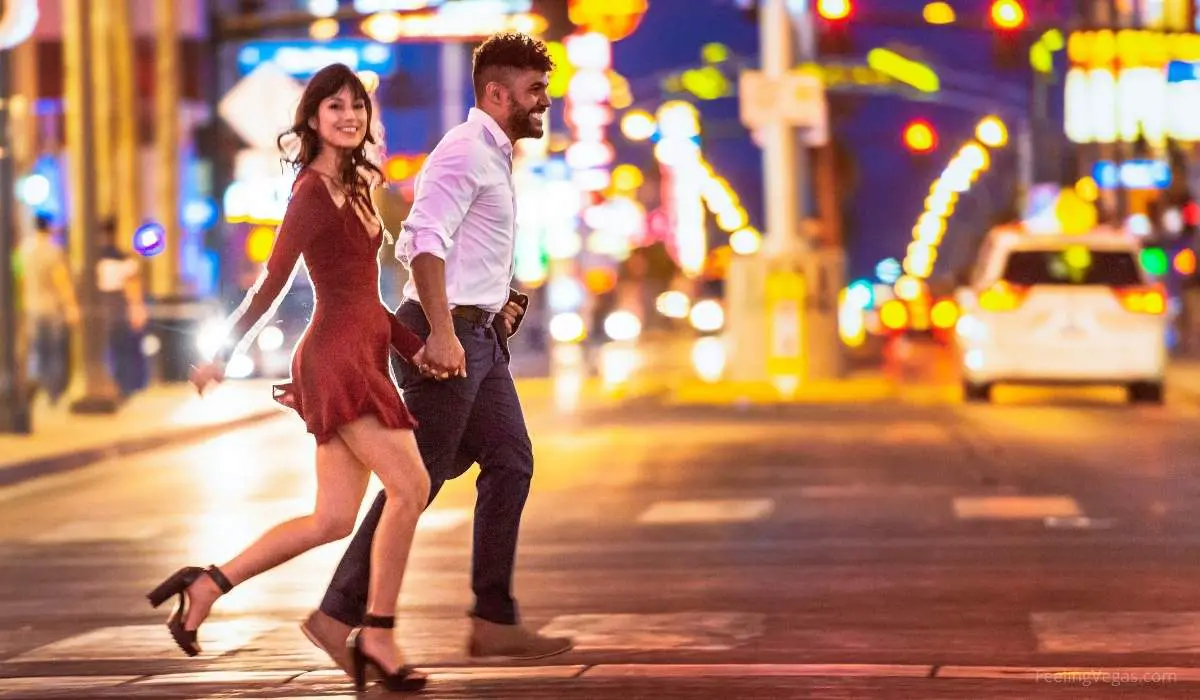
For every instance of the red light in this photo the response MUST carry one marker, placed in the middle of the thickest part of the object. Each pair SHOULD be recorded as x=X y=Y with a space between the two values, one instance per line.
x=834 y=10
x=920 y=137
x=1191 y=214
x=1008 y=14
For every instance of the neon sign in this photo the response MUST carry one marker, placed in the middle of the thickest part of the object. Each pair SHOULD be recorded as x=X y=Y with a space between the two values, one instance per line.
x=301 y=59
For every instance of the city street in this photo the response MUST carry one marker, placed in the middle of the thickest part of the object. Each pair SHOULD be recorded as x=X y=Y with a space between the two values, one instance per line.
x=1043 y=546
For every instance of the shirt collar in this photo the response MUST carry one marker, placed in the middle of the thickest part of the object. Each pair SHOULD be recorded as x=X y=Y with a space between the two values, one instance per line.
x=501 y=138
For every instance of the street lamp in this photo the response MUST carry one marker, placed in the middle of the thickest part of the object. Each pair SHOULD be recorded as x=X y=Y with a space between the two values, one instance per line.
x=992 y=132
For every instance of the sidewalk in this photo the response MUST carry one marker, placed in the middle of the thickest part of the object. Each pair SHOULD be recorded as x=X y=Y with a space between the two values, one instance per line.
x=159 y=416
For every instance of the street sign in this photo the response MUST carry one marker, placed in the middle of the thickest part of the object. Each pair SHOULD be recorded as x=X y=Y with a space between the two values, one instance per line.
x=785 y=300
x=797 y=99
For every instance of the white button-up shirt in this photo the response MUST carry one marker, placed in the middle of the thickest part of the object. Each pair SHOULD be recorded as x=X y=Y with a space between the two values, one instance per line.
x=464 y=212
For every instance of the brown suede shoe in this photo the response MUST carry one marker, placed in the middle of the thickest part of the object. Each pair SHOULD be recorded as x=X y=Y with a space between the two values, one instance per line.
x=512 y=641
x=328 y=635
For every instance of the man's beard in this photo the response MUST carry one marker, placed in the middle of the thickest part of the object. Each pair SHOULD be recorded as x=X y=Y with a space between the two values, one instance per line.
x=521 y=126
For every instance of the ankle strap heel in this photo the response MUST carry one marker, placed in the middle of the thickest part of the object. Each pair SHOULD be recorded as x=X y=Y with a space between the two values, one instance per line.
x=218 y=577
x=379 y=621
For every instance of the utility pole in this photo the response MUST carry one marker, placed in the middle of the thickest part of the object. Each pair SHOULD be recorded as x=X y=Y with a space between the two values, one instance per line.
x=164 y=277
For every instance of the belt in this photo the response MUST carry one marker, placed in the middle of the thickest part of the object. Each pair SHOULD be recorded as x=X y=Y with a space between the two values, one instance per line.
x=474 y=314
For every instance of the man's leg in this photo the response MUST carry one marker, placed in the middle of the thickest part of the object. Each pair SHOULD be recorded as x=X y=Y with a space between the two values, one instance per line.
x=442 y=409
x=505 y=472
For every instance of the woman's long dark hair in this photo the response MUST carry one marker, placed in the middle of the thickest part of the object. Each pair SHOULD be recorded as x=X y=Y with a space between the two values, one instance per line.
x=357 y=166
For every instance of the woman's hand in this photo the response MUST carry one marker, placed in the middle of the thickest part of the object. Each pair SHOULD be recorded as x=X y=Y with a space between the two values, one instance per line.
x=205 y=374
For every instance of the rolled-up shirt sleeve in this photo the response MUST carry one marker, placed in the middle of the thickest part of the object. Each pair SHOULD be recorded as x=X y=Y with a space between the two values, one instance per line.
x=444 y=191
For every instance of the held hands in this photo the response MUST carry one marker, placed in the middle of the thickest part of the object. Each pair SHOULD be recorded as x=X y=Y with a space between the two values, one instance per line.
x=205 y=374
x=442 y=357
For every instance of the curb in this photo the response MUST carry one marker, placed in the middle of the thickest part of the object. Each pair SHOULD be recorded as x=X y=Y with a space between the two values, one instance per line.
x=19 y=472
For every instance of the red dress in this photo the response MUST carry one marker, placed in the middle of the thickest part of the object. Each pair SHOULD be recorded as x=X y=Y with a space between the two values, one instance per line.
x=340 y=368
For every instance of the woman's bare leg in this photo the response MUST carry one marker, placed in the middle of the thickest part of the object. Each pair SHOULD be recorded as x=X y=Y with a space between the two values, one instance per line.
x=341 y=483
x=393 y=456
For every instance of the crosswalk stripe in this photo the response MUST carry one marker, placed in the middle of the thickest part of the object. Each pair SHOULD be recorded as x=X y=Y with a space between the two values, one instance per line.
x=707 y=511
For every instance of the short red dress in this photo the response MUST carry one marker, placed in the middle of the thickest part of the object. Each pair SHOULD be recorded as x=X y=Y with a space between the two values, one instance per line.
x=340 y=369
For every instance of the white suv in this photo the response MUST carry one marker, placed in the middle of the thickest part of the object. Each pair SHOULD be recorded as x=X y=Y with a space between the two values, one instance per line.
x=1061 y=309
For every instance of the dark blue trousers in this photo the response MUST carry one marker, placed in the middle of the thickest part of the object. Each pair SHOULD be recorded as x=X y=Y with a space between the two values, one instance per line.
x=461 y=421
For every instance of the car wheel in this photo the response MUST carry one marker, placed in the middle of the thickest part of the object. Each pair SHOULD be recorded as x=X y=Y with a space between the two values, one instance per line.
x=1145 y=392
x=975 y=393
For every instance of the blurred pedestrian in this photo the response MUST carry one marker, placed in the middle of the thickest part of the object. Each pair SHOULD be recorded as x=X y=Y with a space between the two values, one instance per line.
x=340 y=383
x=458 y=243
x=51 y=308
x=122 y=311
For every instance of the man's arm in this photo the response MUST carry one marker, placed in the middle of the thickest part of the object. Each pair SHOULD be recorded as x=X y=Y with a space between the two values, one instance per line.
x=66 y=291
x=429 y=275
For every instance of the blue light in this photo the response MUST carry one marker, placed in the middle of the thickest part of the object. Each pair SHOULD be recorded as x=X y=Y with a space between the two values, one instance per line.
x=1142 y=174
x=889 y=270
x=199 y=214
x=861 y=293
x=150 y=239
x=303 y=58
x=1181 y=72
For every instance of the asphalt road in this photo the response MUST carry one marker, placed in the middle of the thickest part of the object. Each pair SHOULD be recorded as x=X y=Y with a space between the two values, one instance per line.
x=887 y=550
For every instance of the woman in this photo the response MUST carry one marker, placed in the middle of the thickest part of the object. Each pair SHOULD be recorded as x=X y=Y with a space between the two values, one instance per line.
x=340 y=384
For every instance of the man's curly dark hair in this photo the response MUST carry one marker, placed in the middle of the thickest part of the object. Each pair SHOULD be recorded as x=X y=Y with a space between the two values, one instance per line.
x=507 y=51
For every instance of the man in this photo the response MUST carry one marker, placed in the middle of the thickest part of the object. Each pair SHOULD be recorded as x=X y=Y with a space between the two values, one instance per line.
x=50 y=307
x=122 y=309
x=458 y=244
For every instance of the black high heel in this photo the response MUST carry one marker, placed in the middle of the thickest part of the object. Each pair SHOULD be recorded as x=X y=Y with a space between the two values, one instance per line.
x=406 y=678
x=177 y=584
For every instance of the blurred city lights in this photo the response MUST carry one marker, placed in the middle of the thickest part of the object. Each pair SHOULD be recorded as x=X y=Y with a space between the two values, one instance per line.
x=270 y=339
x=944 y=314
x=323 y=8
x=834 y=10
x=919 y=136
x=673 y=304
x=888 y=270
x=893 y=315
x=861 y=293
x=627 y=178
x=708 y=358
x=1008 y=14
x=638 y=125
x=938 y=13
x=622 y=326
x=324 y=29
x=1154 y=261
x=567 y=328
x=385 y=27
x=909 y=288
x=851 y=320
x=1185 y=262
x=210 y=338
x=707 y=316
x=239 y=367
x=745 y=241
x=259 y=243
x=1087 y=189
x=992 y=132
x=34 y=189
x=150 y=239
x=370 y=80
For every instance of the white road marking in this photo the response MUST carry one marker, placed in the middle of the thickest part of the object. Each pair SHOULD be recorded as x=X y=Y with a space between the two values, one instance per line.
x=702 y=631
x=707 y=511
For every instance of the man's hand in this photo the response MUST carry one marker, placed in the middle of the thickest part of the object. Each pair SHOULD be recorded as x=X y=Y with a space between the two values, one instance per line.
x=509 y=316
x=444 y=356
x=205 y=374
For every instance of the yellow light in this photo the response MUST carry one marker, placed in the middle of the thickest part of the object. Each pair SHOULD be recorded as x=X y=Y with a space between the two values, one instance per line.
x=714 y=53
x=673 y=304
x=732 y=219
x=1087 y=189
x=1077 y=257
x=678 y=118
x=323 y=29
x=1008 y=14
x=1185 y=262
x=745 y=241
x=259 y=243
x=893 y=315
x=834 y=9
x=944 y=314
x=620 y=95
x=909 y=288
x=707 y=316
x=992 y=132
x=568 y=328
x=912 y=73
x=384 y=27
x=707 y=83
x=939 y=13
x=1040 y=58
x=638 y=125
x=560 y=79
x=1053 y=40
x=627 y=178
